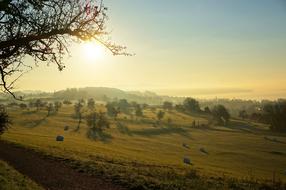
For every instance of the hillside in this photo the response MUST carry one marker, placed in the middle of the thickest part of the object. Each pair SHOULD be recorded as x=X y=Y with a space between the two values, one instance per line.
x=137 y=152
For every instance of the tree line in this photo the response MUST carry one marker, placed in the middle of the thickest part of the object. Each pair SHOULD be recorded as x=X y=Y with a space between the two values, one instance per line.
x=272 y=112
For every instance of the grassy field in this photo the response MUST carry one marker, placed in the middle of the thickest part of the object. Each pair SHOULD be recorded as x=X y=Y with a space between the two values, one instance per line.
x=135 y=151
x=11 y=179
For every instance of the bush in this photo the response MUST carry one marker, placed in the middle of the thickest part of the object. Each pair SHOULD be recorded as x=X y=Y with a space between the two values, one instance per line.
x=4 y=120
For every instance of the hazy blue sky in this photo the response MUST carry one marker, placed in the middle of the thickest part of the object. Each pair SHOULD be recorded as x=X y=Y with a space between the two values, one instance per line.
x=185 y=44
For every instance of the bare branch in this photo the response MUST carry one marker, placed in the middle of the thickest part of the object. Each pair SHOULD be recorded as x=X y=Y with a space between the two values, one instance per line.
x=43 y=30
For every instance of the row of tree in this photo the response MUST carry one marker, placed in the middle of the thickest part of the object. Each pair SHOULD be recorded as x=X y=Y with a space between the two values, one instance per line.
x=273 y=113
x=123 y=106
x=191 y=106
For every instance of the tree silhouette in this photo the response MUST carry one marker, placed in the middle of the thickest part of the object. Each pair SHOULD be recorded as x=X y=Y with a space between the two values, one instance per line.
x=44 y=30
x=191 y=105
x=220 y=114
x=160 y=115
x=97 y=121
x=78 y=112
x=50 y=109
x=38 y=104
x=91 y=103
x=112 y=111
x=123 y=105
x=4 y=120
x=275 y=114
x=138 y=111
x=167 y=105
x=57 y=106
x=242 y=114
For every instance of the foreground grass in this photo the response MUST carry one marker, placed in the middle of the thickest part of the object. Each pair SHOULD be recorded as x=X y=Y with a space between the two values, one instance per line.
x=139 y=155
x=141 y=176
x=10 y=179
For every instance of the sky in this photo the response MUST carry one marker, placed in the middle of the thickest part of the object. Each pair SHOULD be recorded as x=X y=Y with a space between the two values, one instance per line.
x=200 y=48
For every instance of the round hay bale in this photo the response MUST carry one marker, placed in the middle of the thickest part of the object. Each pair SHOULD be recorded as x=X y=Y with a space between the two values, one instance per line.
x=203 y=150
x=60 y=138
x=187 y=161
x=186 y=146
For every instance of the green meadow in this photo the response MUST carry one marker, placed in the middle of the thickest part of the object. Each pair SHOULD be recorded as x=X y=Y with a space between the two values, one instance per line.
x=140 y=153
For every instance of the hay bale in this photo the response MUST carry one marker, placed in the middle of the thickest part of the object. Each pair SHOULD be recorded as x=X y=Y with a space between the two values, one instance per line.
x=60 y=138
x=186 y=146
x=187 y=161
x=203 y=151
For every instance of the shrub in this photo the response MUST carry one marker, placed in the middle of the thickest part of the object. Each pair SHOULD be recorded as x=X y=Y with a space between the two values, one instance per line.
x=4 y=120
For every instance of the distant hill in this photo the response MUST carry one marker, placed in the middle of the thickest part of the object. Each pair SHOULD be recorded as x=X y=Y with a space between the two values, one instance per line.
x=112 y=94
x=108 y=94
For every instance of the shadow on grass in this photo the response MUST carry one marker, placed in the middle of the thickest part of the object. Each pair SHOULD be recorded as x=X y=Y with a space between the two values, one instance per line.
x=234 y=126
x=274 y=140
x=122 y=128
x=244 y=127
x=99 y=135
x=277 y=153
x=29 y=112
x=161 y=131
x=36 y=123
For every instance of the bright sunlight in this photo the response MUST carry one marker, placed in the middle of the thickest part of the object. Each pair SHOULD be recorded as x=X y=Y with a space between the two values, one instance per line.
x=92 y=51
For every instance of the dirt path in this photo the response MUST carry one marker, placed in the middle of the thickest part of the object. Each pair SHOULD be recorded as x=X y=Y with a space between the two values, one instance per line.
x=50 y=174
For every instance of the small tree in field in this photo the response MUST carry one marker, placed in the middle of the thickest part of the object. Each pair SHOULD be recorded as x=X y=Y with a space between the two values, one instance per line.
x=78 y=112
x=160 y=115
x=220 y=114
x=38 y=104
x=167 y=105
x=97 y=121
x=138 y=111
x=112 y=111
x=91 y=104
x=57 y=106
x=207 y=110
x=50 y=109
x=275 y=114
x=4 y=120
x=243 y=114
x=191 y=105
x=124 y=106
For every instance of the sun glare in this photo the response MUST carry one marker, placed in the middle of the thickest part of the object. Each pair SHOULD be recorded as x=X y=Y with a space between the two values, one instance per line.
x=92 y=51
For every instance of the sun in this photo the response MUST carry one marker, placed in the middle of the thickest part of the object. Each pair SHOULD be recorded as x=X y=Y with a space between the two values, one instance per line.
x=92 y=51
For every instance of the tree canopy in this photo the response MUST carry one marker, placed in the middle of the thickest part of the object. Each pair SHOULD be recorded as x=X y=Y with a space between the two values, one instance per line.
x=221 y=114
x=275 y=115
x=44 y=29
x=191 y=105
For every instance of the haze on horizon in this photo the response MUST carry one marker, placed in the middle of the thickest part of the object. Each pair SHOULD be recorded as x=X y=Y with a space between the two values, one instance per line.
x=202 y=48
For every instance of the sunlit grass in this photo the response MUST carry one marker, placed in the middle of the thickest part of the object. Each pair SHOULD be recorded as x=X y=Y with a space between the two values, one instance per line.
x=231 y=150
